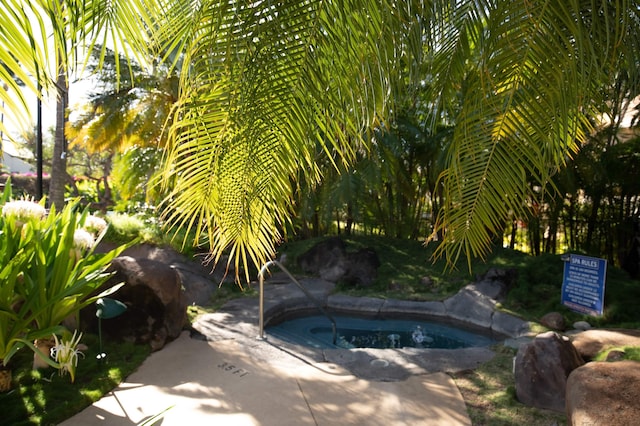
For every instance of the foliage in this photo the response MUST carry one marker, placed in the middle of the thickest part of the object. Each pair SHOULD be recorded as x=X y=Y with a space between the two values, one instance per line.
x=133 y=169
x=535 y=292
x=50 y=271
x=141 y=222
x=490 y=395
x=518 y=81
x=488 y=390
x=631 y=353
x=274 y=87
x=13 y=324
x=127 y=227
x=121 y=126
x=42 y=397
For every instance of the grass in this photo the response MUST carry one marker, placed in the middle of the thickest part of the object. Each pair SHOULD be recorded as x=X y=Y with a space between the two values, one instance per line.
x=630 y=353
x=43 y=397
x=490 y=396
x=489 y=391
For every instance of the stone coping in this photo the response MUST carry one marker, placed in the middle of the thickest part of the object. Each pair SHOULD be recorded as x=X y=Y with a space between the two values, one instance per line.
x=469 y=307
x=238 y=318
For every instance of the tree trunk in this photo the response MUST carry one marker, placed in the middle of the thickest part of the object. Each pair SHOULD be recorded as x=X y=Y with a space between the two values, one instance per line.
x=592 y=223
x=5 y=378
x=514 y=234
x=59 y=159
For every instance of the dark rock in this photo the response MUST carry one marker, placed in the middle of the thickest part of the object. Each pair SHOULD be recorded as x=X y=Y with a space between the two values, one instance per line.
x=554 y=321
x=200 y=281
x=362 y=268
x=156 y=309
x=541 y=370
x=604 y=393
x=615 y=355
x=427 y=281
x=490 y=289
x=330 y=261
x=496 y=283
x=327 y=259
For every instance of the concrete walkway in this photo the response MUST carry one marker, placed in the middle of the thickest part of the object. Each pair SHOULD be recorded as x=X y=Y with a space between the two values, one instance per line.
x=242 y=381
x=233 y=378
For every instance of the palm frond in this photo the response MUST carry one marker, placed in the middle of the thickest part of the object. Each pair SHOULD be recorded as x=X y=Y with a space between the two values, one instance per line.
x=526 y=99
x=20 y=60
x=269 y=84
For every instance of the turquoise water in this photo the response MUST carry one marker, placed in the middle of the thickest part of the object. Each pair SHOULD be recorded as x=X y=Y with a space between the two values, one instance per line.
x=354 y=332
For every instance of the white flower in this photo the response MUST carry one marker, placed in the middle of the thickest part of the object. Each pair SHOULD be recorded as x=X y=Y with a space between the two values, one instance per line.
x=23 y=210
x=95 y=224
x=82 y=239
x=65 y=353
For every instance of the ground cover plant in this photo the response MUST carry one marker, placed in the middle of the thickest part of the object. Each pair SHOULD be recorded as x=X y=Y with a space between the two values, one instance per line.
x=43 y=397
x=488 y=390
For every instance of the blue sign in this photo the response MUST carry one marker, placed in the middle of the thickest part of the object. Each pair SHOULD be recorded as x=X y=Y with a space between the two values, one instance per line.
x=583 y=284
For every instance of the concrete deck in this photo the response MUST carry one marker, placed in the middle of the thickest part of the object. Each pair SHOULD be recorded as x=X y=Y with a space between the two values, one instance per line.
x=223 y=382
x=233 y=378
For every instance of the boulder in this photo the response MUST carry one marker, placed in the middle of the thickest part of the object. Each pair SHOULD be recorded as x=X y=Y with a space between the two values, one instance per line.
x=581 y=325
x=362 y=267
x=541 y=370
x=153 y=294
x=327 y=259
x=471 y=306
x=554 y=321
x=496 y=283
x=590 y=342
x=604 y=393
x=330 y=261
x=201 y=281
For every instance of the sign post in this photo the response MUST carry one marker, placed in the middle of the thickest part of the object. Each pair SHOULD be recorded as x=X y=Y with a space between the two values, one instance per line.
x=583 y=284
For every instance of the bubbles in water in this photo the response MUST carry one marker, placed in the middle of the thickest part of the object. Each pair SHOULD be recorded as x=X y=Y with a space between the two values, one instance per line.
x=419 y=337
x=394 y=340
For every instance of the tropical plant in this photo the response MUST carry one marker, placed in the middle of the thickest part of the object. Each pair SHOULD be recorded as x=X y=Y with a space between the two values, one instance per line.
x=123 y=122
x=271 y=87
x=13 y=321
x=43 y=44
x=268 y=82
x=273 y=84
x=64 y=271
x=50 y=271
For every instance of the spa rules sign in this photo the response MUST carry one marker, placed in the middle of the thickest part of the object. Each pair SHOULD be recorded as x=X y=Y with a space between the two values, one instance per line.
x=583 y=284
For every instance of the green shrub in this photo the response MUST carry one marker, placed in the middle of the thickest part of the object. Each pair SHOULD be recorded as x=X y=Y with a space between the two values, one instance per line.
x=49 y=271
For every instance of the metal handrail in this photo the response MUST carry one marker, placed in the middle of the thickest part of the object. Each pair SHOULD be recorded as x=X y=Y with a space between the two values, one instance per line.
x=300 y=286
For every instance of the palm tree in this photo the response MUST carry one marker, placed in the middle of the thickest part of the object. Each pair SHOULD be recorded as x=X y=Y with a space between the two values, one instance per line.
x=43 y=42
x=270 y=82
x=126 y=118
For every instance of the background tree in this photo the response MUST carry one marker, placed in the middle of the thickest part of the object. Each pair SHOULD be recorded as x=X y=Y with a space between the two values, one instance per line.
x=43 y=42
x=519 y=80
x=270 y=83
x=124 y=119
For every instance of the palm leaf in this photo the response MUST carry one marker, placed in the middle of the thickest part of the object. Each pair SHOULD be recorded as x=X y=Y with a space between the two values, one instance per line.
x=526 y=99
x=260 y=98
